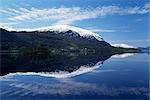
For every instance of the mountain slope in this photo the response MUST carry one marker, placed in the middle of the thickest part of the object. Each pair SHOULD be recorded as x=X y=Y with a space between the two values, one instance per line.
x=66 y=30
x=10 y=40
x=56 y=38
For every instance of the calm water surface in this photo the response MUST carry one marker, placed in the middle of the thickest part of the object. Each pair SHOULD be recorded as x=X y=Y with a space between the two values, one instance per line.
x=118 y=77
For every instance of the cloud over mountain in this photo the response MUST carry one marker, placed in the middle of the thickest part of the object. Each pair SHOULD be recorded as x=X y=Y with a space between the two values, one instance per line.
x=67 y=15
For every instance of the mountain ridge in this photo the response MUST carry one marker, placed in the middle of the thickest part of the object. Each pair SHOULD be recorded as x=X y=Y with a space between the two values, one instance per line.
x=47 y=41
x=62 y=28
x=51 y=39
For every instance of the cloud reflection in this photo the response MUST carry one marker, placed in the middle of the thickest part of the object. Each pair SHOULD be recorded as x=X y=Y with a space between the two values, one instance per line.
x=125 y=55
x=67 y=87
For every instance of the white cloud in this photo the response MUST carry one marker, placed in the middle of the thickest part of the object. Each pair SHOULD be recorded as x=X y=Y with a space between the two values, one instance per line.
x=147 y=6
x=103 y=30
x=7 y=24
x=65 y=15
x=139 y=40
x=109 y=30
x=139 y=20
x=94 y=29
x=4 y=11
x=123 y=45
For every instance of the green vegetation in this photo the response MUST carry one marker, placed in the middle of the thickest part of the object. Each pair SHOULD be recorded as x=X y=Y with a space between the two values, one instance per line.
x=50 y=43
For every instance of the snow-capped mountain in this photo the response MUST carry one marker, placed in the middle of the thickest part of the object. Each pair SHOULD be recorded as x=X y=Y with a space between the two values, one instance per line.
x=65 y=30
x=59 y=38
x=54 y=37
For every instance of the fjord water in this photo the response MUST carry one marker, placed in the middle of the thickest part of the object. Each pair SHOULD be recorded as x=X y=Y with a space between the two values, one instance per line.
x=124 y=76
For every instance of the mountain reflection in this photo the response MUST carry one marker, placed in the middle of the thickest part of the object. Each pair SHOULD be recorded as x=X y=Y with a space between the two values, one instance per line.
x=60 y=66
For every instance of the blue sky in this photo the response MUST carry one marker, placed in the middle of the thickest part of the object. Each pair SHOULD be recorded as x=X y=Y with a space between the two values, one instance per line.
x=117 y=21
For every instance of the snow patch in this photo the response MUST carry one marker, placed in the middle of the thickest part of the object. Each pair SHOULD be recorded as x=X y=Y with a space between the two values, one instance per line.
x=64 y=28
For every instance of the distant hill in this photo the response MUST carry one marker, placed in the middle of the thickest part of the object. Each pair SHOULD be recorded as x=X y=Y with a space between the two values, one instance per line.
x=144 y=50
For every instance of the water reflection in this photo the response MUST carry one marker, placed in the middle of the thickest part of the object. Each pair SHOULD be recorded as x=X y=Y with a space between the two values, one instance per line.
x=23 y=81
x=59 y=66
x=62 y=74
x=68 y=87
x=125 y=55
